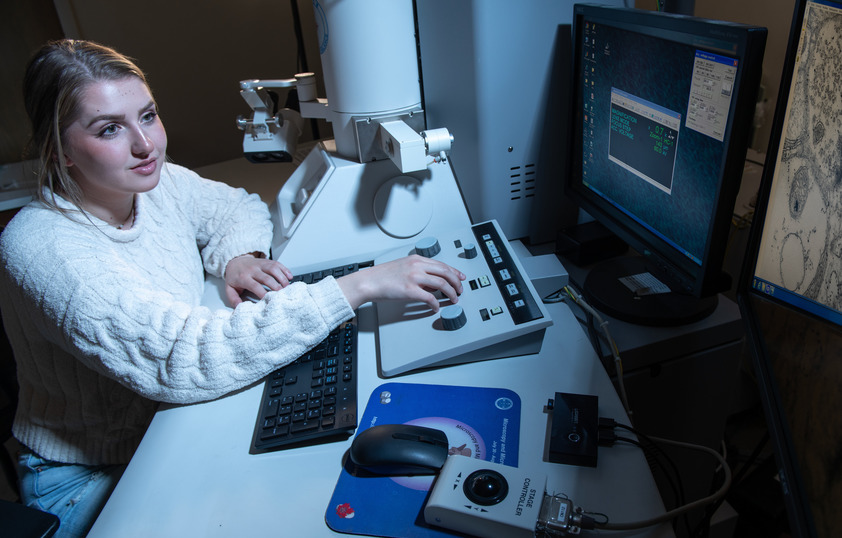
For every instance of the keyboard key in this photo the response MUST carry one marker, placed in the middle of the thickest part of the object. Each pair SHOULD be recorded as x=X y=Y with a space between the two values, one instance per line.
x=304 y=426
x=272 y=408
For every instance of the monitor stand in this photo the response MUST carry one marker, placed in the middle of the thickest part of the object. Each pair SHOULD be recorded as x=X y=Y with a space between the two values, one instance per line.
x=607 y=293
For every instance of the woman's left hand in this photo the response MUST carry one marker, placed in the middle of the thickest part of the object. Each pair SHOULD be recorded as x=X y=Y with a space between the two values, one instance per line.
x=248 y=273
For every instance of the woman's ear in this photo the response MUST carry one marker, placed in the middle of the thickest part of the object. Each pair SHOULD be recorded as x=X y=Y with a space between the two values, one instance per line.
x=68 y=162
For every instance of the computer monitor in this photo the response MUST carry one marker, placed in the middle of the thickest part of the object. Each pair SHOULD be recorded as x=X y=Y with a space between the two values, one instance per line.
x=789 y=291
x=662 y=113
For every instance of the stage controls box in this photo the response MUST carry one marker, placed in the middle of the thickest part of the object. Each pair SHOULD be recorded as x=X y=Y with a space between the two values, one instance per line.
x=486 y=499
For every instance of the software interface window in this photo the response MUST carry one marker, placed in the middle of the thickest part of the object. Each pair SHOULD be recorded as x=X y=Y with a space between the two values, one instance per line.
x=639 y=130
x=664 y=132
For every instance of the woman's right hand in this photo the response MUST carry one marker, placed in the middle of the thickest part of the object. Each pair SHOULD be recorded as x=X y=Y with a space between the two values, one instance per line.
x=414 y=278
x=253 y=274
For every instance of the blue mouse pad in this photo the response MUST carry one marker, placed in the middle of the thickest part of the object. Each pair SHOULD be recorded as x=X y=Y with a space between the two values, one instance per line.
x=482 y=423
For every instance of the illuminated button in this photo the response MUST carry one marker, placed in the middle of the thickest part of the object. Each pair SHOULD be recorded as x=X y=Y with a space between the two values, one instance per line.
x=496 y=310
x=492 y=249
x=453 y=317
x=484 y=281
x=511 y=289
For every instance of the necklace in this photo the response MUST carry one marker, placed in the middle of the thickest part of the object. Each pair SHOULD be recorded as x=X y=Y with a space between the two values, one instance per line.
x=129 y=221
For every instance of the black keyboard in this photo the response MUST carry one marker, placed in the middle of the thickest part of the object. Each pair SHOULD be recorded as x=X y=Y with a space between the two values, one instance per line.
x=314 y=398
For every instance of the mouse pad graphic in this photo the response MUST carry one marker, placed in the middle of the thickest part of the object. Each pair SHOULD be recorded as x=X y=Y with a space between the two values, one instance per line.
x=481 y=423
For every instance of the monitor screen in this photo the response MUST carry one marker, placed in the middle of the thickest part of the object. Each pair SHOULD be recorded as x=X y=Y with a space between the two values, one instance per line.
x=663 y=106
x=789 y=291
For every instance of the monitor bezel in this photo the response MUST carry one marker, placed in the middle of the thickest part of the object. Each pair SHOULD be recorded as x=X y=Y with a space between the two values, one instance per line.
x=684 y=275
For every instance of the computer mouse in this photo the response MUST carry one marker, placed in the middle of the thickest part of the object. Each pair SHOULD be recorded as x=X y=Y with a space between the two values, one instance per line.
x=400 y=450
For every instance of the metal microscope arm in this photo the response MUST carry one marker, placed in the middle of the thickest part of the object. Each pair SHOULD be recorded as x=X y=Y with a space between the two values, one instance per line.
x=271 y=137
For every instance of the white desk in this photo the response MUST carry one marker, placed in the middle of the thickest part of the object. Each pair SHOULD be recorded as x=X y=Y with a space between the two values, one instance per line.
x=193 y=475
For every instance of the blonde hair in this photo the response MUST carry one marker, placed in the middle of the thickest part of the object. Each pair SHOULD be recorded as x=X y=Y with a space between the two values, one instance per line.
x=55 y=81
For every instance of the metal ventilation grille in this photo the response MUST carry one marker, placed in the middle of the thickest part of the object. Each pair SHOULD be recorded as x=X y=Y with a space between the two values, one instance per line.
x=522 y=184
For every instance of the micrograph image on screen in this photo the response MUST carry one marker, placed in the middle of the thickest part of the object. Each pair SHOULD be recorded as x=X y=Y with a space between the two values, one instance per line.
x=800 y=259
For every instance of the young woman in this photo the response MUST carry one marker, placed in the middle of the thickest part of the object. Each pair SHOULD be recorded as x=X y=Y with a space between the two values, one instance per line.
x=102 y=278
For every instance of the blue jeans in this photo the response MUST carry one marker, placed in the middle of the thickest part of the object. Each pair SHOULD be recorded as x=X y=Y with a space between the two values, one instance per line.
x=74 y=493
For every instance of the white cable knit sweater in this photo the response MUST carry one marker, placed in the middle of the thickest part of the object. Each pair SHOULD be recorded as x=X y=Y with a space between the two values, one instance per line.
x=104 y=323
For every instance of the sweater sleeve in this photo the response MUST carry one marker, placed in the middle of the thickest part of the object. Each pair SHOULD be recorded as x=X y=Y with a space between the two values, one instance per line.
x=71 y=291
x=183 y=354
x=228 y=221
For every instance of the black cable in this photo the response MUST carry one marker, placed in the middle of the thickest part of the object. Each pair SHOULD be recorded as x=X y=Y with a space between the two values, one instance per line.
x=593 y=335
x=704 y=524
x=657 y=462
x=607 y=437
x=680 y=498
x=301 y=57
x=660 y=450
x=683 y=510
x=755 y=455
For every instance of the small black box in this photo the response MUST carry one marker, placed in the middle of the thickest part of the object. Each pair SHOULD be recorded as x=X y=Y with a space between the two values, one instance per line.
x=574 y=438
x=588 y=243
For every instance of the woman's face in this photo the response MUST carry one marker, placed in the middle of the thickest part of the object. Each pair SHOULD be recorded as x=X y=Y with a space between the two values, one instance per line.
x=117 y=145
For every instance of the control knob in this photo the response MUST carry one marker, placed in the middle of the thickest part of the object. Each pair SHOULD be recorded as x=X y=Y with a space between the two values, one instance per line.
x=428 y=247
x=453 y=317
x=470 y=251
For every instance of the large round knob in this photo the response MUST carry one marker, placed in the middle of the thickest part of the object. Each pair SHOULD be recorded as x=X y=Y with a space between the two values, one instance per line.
x=470 y=251
x=428 y=247
x=453 y=317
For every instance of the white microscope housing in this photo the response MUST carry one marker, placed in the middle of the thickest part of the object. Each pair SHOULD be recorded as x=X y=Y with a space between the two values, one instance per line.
x=383 y=180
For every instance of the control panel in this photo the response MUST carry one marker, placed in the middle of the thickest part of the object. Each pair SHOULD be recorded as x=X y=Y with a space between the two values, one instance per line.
x=498 y=315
